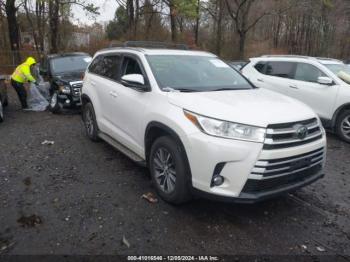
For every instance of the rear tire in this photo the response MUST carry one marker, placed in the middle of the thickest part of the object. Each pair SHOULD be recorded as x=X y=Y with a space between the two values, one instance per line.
x=90 y=123
x=1 y=112
x=343 y=126
x=6 y=102
x=169 y=171
x=54 y=106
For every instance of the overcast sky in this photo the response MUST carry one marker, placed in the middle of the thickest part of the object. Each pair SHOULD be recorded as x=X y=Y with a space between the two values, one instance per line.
x=107 y=10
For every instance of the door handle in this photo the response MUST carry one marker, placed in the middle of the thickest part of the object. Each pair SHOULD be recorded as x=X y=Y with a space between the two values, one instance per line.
x=293 y=86
x=260 y=80
x=113 y=94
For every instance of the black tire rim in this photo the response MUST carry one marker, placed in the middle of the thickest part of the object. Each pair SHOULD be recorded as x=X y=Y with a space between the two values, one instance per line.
x=89 y=122
x=345 y=127
x=164 y=170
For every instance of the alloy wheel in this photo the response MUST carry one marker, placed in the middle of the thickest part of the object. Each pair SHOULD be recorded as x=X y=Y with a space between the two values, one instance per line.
x=165 y=172
x=89 y=122
x=345 y=127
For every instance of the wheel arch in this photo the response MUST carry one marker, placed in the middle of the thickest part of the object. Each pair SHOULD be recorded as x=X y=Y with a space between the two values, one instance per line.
x=155 y=130
x=337 y=113
x=85 y=99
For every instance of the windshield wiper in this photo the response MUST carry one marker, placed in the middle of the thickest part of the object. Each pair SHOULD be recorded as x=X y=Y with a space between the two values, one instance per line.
x=185 y=90
x=224 y=89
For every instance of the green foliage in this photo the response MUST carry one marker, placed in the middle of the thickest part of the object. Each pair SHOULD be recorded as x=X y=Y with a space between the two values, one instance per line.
x=117 y=28
x=187 y=8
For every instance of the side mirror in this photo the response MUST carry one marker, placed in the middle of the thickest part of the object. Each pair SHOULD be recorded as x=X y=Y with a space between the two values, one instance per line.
x=135 y=81
x=325 y=80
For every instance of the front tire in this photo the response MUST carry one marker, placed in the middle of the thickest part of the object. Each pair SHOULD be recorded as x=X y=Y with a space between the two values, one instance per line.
x=54 y=106
x=169 y=171
x=6 y=102
x=343 y=126
x=90 y=123
x=1 y=112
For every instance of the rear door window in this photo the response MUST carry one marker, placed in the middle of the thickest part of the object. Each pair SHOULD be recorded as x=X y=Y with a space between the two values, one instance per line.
x=280 y=69
x=308 y=73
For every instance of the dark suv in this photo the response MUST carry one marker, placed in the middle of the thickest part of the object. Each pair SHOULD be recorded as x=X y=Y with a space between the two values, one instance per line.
x=65 y=73
x=3 y=97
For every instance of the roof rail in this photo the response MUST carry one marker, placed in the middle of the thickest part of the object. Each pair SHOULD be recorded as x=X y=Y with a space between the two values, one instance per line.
x=328 y=59
x=295 y=56
x=152 y=44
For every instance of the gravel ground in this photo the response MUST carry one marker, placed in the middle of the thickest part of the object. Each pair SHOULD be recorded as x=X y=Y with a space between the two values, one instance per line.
x=80 y=197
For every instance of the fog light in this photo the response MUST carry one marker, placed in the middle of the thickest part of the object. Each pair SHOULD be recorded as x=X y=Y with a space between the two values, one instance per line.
x=67 y=101
x=218 y=180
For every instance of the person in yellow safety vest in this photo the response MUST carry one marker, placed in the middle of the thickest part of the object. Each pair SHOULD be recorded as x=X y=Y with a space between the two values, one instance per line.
x=21 y=76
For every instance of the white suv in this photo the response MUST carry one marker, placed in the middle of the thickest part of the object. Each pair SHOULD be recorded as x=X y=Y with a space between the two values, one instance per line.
x=321 y=83
x=200 y=126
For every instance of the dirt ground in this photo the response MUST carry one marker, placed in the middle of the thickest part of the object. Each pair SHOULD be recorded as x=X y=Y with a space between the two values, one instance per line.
x=80 y=197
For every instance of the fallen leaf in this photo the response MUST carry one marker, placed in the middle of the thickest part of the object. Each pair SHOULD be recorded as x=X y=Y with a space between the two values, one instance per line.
x=125 y=242
x=150 y=197
x=321 y=249
x=30 y=221
x=47 y=142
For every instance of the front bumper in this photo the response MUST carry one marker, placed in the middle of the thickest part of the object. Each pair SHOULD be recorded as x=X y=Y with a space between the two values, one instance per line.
x=69 y=101
x=240 y=160
x=252 y=198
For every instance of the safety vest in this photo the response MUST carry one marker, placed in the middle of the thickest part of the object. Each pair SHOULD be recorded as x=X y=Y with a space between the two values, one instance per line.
x=22 y=73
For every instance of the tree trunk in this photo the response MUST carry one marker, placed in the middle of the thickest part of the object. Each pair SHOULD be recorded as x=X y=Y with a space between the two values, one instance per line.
x=131 y=18
x=242 y=40
x=196 y=30
x=11 y=13
x=219 y=28
x=173 y=21
x=54 y=8
x=137 y=16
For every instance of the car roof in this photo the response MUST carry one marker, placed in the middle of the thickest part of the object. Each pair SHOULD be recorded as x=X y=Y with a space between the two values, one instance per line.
x=156 y=51
x=67 y=54
x=322 y=60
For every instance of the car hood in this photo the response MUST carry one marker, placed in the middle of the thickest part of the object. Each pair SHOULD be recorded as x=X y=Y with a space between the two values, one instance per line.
x=69 y=77
x=256 y=107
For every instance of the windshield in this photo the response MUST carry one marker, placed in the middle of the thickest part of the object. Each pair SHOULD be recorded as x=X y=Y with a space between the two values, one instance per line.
x=337 y=68
x=69 y=63
x=195 y=73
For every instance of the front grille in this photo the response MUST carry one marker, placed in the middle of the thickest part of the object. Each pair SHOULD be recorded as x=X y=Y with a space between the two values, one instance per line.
x=255 y=186
x=287 y=134
x=273 y=174
x=289 y=165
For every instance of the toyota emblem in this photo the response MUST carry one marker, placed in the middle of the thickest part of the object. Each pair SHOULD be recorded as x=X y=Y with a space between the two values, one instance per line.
x=301 y=131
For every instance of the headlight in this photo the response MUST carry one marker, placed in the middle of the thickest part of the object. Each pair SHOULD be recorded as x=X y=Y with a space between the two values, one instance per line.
x=64 y=89
x=226 y=129
x=323 y=131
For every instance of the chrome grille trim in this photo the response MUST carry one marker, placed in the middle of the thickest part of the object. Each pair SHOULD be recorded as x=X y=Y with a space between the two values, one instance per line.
x=77 y=85
x=267 y=169
x=287 y=134
x=283 y=141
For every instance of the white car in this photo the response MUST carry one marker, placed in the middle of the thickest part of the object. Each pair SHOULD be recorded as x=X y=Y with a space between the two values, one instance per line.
x=321 y=83
x=200 y=126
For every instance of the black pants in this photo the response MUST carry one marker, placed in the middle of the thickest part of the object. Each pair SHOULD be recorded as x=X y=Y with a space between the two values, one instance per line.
x=21 y=92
